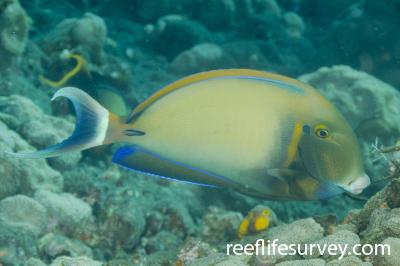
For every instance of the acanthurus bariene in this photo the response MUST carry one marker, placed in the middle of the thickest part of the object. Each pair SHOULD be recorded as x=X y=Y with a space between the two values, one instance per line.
x=261 y=134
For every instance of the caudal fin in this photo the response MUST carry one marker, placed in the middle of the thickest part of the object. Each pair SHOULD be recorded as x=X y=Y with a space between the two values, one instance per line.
x=92 y=123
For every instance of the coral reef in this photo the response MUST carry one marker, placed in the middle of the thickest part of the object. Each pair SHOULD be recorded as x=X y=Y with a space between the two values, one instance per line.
x=201 y=57
x=79 y=209
x=311 y=262
x=65 y=210
x=13 y=32
x=14 y=210
x=31 y=120
x=393 y=258
x=181 y=32
x=52 y=246
x=341 y=237
x=219 y=225
x=72 y=261
x=23 y=176
x=86 y=35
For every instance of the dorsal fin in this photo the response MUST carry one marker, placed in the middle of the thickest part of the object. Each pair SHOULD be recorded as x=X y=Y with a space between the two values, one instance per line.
x=240 y=73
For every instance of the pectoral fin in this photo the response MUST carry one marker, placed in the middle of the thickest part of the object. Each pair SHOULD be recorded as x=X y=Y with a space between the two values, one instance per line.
x=309 y=188
x=265 y=183
x=288 y=184
x=142 y=160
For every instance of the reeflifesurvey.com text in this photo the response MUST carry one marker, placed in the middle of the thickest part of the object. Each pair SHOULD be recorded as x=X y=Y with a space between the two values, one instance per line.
x=264 y=247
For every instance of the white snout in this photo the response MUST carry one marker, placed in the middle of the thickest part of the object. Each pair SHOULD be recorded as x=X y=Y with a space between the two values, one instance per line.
x=358 y=185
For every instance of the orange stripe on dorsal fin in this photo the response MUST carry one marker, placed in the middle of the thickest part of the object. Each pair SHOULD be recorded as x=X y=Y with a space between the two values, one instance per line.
x=210 y=75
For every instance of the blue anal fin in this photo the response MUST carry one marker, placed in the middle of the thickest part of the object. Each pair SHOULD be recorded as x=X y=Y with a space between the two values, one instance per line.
x=141 y=160
x=327 y=190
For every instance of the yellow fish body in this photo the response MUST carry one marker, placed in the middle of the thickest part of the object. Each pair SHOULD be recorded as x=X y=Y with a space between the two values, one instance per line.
x=259 y=133
x=254 y=222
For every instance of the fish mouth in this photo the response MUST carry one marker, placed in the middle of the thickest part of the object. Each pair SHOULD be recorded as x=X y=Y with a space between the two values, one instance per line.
x=358 y=185
x=355 y=187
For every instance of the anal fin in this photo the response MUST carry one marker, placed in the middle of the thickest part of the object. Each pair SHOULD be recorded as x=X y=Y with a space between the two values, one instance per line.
x=141 y=160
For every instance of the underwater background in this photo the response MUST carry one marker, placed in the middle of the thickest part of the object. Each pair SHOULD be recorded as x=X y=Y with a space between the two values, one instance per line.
x=80 y=209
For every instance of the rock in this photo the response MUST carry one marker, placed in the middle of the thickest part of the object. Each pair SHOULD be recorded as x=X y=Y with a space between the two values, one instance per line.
x=17 y=244
x=13 y=32
x=363 y=100
x=220 y=225
x=195 y=249
x=148 y=11
x=34 y=262
x=233 y=261
x=17 y=80
x=339 y=238
x=219 y=15
x=383 y=223
x=23 y=176
x=179 y=32
x=177 y=218
x=219 y=259
x=370 y=218
x=212 y=259
x=90 y=33
x=349 y=261
x=30 y=122
x=295 y=26
x=86 y=36
x=23 y=212
x=387 y=259
x=26 y=176
x=76 y=261
x=9 y=140
x=391 y=223
x=311 y=262
x=125 y=227
x=264 y=27
x=54 y=245
x=162 y=241
x=347 y=227
x=267 y=7
x=202 y=57
x=371 y=106
x=154 y=222
x=299 y=232
x=65 y=210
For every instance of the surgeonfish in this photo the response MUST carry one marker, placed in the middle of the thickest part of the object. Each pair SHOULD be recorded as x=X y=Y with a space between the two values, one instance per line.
x=258 y=133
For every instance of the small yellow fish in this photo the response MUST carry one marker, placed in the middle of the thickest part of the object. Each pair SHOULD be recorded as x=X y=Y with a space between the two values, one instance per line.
x=261 y=134
x=254 y=222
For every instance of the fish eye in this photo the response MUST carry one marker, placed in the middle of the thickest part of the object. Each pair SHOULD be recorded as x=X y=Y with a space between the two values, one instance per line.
x=321 y=131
